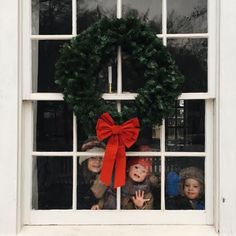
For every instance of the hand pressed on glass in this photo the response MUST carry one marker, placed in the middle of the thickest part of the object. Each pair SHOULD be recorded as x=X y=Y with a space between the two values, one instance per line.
x=139 y=200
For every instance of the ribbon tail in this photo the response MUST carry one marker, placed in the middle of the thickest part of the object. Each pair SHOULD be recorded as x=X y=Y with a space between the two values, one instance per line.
x=120 y=172
x=108 y=164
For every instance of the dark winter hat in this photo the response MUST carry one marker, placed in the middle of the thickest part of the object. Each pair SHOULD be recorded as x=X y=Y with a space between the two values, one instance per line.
x=91 y=145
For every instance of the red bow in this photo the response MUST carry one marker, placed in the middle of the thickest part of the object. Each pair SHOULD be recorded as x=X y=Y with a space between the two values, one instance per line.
x=121 y=136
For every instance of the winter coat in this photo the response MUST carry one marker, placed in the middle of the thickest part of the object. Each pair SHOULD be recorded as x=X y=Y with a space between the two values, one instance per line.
x=127 y=192
x=89 y=188
x=182 y=203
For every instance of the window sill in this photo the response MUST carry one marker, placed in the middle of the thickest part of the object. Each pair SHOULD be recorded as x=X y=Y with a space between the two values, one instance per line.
x=117 y=230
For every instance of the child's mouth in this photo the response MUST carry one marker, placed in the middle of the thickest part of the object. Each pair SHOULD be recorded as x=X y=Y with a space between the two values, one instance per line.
x=137 y=176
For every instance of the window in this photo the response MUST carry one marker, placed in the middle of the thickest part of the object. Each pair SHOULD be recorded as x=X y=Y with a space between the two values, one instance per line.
x=53 y=137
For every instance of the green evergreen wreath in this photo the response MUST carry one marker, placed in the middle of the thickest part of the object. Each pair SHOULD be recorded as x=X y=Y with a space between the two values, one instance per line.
x=81 y=60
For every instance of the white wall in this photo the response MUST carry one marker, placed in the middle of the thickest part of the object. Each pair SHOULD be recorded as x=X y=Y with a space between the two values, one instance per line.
x=227 y=102
x=8 y=115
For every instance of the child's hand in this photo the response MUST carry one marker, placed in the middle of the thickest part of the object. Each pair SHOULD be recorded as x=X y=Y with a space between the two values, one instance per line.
x=95 y=207
x=139 y=200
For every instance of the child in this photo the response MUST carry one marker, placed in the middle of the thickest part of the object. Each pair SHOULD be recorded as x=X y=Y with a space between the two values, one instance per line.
x=136 y=194
x=89 y=187
x=191 y=190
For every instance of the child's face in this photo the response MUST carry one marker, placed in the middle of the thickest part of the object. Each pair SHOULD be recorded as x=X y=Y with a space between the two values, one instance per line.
x=137 y=173
x=192 y=189
x=95 y=164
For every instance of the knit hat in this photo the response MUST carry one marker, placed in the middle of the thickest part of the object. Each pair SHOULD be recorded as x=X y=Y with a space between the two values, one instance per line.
x=144 y=161
x=91 y=145
x=191 y=173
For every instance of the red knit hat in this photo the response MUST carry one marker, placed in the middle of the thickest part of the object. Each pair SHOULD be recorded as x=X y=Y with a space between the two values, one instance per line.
x=144 y=161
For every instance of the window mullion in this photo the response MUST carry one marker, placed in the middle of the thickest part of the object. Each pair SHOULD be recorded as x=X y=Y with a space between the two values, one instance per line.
x=74 y=185
x=209 y=127
x=74 y=17
x=162 y=142
x=164 y=21
x=119 y=88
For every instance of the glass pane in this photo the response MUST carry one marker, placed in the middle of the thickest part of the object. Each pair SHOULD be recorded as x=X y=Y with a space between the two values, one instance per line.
x=187 y=16
x=147 y=136
x=185 y=127
x=90 y=190
x=44 y=57
x=51 y=17
x=53 y=127
x=90 y=11
x=132 y=75
x=149 y=10
x=191 y=57
x=142 y=188
x=82 y=130
x=52 y=183
x=185 y=183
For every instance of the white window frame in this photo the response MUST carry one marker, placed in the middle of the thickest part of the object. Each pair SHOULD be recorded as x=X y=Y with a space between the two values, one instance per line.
x=74 y=216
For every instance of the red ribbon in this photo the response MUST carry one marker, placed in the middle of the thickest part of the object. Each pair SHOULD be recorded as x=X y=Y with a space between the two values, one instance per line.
x=120 y=136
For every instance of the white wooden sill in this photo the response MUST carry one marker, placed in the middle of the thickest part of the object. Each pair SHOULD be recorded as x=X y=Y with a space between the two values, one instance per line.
x=118 y=230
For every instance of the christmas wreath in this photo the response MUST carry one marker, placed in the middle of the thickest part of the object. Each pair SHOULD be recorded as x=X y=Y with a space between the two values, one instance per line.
x=81 y=61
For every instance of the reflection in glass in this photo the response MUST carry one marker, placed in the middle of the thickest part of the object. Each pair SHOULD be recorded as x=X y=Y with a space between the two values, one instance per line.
x=44 y=57
x=52 y=183
x=147 y=136
x=104 y=80
x=191 y=57
x=149 y=11
x=187 y=16
x=185 y=127
x=132 y=74
x=185 y=183
x=90 y=11
x=53 y=126
x=142 y=183
x=51 y=17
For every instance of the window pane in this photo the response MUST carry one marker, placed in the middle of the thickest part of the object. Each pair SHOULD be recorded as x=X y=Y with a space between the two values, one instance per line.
x=143 y=174
x=187 y=16
x=44 y=57
x=90 y=11
x=185 y=183
x=149 y=10
x=191 y=57
x=51 y=17
x=132 y=75
x=90 y=190
x=147 y=136
x=53 y=127
x=82 y=134
x=52 y=183
x=185 y=127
